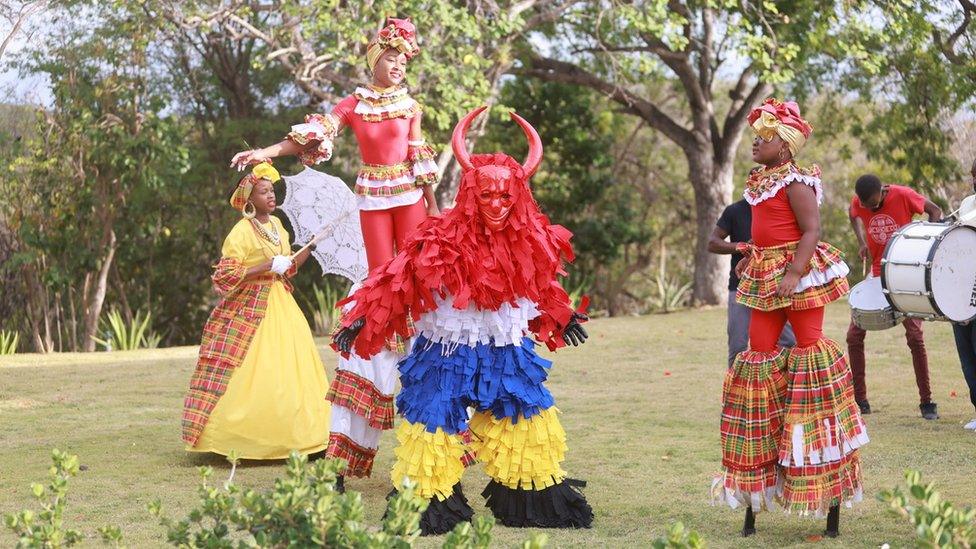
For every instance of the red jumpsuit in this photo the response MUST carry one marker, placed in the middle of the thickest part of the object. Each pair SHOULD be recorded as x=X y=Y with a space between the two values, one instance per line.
x=391 y=206
x=393 y=171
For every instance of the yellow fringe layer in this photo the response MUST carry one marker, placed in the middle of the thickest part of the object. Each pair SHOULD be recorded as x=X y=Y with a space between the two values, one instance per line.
x=525 y=454
x=431 y=460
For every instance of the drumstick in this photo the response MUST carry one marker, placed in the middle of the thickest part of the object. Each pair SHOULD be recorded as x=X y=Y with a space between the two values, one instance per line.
x=864 y=268
x=324 y=233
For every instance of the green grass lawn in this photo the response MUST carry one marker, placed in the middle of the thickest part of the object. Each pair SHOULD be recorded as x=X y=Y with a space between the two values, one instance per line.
x=640 y=403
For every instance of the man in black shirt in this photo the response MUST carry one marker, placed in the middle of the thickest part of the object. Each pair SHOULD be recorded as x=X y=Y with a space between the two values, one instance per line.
x=736 y=225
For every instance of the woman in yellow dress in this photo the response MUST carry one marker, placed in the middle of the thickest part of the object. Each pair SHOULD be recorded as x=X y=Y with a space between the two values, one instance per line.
x=259 y=387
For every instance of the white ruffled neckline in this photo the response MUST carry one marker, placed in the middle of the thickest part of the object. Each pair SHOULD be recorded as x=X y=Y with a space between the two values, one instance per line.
x=369 y=93
x=792 y=176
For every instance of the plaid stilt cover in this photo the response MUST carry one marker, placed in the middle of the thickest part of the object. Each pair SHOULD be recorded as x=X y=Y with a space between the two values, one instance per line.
x=226 y=338
x=767 y=267
x=752 y=420
x=822 y=431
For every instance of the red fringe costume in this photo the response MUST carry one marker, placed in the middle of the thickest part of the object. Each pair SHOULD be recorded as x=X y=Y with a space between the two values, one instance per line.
x=790 y=427
x=477 y=290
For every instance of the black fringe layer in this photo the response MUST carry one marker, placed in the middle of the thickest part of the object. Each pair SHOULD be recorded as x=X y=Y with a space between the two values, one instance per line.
x=558 y=506
x=442 y=516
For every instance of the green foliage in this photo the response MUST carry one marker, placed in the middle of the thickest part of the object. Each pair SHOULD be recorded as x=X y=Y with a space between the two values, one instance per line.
x=323 y=305
x=913 y=88
x=937 y=522
x=87 y=179
x=678 y=537
x=123 y=336
x=304 y=510
x=45 y=528
x=8 y=342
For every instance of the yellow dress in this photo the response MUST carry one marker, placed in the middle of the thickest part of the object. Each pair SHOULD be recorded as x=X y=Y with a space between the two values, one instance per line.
x=275 y=400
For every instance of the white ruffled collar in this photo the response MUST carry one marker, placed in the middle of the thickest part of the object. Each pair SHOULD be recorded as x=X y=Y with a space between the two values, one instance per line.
x=367 y=93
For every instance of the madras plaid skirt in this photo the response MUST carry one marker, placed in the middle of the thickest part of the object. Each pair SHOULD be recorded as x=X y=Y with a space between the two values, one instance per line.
x=825 y=280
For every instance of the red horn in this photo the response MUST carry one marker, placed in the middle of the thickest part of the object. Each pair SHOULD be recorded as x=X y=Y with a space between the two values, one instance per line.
x=534 y=158
x=457 y=140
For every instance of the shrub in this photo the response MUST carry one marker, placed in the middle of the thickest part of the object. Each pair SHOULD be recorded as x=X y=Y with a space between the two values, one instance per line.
x=8 y=342
x=937 y=522
x=678 y=537
x=45 y=528
x=121 y=336
x=303 y=509
x=323 y=306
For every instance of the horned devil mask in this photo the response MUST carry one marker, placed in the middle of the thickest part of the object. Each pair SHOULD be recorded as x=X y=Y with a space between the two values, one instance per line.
x=495 y=192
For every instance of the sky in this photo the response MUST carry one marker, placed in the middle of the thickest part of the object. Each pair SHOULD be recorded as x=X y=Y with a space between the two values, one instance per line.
x=14 y=88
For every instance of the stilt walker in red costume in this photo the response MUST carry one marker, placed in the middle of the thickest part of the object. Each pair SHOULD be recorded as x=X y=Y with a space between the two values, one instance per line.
x=394 y=198
x=790 y=427
x=474 y=284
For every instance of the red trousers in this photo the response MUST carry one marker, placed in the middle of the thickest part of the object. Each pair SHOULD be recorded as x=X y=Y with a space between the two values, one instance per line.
x=920 y=361
x=766 y=327
x=384 y=228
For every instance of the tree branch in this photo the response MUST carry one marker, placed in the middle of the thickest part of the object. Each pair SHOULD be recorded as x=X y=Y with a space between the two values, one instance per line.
x=559 y=71
x=738 y=115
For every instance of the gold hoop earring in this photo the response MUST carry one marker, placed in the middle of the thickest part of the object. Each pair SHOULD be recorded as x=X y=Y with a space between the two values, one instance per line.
x=249 y=214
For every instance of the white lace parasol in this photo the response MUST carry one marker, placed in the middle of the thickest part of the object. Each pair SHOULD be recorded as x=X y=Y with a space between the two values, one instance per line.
x=321 y=208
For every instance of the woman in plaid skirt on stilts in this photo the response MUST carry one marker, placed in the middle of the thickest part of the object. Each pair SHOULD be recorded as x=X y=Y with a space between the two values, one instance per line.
x=790 y=427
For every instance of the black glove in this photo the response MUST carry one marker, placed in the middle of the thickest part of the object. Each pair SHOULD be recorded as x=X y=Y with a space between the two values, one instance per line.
x=574 y=334
x=345 y=337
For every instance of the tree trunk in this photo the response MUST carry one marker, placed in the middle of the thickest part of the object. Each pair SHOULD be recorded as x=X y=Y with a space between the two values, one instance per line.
x=94 y=309
x=713 y=189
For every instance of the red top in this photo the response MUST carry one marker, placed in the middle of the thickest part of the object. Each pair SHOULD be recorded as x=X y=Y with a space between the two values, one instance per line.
x=382 y=143
x=773 y=221
x=896 y=211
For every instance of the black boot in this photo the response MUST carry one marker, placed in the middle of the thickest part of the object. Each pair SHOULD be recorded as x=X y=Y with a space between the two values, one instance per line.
x=749 y=527
x=340 y=484
x=833 y=522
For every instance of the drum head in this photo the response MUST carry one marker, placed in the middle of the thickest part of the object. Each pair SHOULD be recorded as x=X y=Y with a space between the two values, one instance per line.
x=866 y=295
x=952 y=277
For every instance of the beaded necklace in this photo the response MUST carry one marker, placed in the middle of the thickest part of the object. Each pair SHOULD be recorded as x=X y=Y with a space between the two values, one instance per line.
x=272 y=237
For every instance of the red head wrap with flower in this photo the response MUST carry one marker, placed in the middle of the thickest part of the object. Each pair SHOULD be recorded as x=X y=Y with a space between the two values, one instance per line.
x=399 y=34
x=782 y=118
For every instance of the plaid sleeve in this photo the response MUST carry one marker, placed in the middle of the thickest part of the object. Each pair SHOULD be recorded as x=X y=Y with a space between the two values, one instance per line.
x=228 y=274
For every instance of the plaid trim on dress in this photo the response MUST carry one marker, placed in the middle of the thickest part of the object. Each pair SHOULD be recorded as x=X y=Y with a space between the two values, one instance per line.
x=361 y=396
x=226 y=338
x=359 y=459
x=767 y=267
x=814 y=489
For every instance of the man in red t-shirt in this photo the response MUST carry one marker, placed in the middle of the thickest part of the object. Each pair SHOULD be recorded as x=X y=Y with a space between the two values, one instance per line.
x=877 y=212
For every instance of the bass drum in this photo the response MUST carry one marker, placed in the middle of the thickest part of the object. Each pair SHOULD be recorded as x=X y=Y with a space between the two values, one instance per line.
x=869 y=308
x=928 y=271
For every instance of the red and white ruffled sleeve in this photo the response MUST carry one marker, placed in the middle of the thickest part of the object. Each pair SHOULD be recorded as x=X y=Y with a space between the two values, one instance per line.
x=316 y=134
x=421 y=156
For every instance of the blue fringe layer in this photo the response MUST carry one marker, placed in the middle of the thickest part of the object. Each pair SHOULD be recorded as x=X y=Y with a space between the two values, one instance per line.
x=440 y=380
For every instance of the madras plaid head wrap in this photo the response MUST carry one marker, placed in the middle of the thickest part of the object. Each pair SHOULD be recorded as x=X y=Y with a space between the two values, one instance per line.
x=775 y=117
x=400 y=34
x=263 y=170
